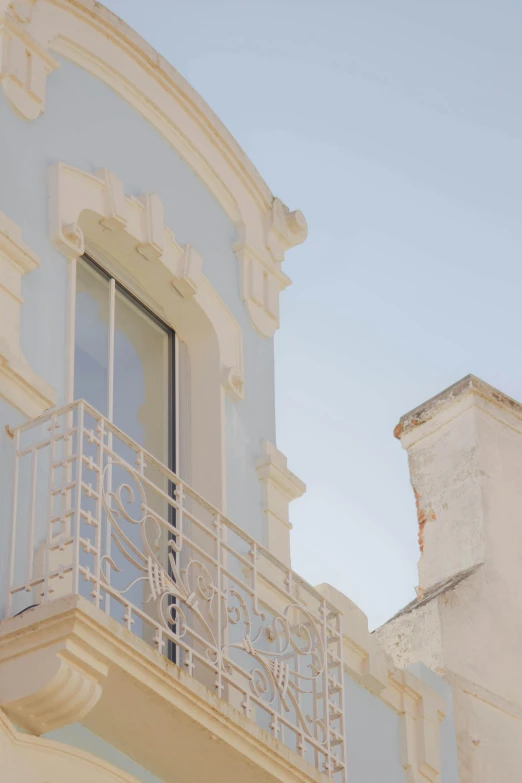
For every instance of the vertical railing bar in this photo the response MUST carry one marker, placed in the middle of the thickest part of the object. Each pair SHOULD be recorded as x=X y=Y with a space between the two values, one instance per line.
x=326 y=692
x=50 y=496
x=341 y=694
x=69 y=381
x=110 y=373
x=110 y=416
x=78 y=490
x=70 y=329
x=220 y=641
x=99 y=512
x=12 y=533
x=253 y=551
x=316 y=713
x=32 y=511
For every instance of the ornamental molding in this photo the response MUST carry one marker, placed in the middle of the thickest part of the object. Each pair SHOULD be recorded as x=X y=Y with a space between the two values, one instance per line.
x=61 y=692
x=262 y=278
x=93 y=38
x=73 y=191
x=24 y=63
x=20 y=386
x=46 y=689
x=279 y=487
x=126 y=223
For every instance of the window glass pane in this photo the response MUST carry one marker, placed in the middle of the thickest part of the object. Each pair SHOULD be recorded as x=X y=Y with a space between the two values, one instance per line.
x=91 y=336
x=141 y=376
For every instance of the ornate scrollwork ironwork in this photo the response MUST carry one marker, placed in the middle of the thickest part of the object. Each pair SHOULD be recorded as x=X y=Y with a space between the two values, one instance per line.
x=287 y=648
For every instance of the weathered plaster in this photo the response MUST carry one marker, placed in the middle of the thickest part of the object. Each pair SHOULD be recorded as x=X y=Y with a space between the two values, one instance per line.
x=465 y=455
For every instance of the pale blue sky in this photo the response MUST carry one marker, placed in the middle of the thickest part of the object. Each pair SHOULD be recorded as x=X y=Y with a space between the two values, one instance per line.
x=396 y=126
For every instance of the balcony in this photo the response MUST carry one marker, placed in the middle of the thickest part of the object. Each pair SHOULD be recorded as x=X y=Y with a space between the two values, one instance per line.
x=174 y=622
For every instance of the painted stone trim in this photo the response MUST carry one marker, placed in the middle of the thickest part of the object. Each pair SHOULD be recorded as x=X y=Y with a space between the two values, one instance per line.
x=24 y=62
x=72 y=191
x=262 y=278
x=20 y=386
x=280 y=486
x=60 y=692
x=50 y=686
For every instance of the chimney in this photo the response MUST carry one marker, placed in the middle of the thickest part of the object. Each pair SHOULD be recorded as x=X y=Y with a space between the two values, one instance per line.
x=465 y=457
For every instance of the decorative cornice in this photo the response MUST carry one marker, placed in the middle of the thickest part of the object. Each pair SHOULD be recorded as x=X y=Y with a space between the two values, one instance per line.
x=73 y=191
x=19 y=384
x=138 y=223
x=24 y=62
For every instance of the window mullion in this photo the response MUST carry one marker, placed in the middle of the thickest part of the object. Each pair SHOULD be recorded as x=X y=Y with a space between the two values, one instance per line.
x=110 y=379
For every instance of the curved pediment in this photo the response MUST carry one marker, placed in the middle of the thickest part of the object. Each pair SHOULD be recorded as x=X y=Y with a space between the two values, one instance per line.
x=34 y=32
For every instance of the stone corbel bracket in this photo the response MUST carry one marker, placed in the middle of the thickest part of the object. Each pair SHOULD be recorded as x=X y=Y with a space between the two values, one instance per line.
x=24 y=63
x=19 y=384
x=279 y=487
x=262 y=278
x=140 y=222
x=49 y=687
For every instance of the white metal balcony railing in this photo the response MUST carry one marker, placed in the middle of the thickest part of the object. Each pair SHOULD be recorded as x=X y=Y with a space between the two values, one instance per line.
x=94 y=514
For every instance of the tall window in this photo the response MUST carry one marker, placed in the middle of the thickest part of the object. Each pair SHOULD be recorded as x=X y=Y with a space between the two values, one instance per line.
x=124 y=365
x=124 y=361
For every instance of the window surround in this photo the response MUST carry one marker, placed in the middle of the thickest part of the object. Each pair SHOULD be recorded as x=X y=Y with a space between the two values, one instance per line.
x=127 y=235
x=20 y=386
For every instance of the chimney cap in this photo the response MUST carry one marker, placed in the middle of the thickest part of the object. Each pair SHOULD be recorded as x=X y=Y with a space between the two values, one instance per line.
x=470 y=384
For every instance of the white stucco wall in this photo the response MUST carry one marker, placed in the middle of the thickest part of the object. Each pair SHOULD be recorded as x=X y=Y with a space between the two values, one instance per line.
x=372 y=738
